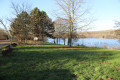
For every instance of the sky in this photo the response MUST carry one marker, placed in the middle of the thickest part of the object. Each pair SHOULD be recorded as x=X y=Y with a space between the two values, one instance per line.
x=105 y=12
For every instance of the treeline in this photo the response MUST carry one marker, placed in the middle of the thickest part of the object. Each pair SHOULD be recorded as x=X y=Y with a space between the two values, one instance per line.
x=3 y=35
x=108 y=34
x=36 y=24
x=27 y=26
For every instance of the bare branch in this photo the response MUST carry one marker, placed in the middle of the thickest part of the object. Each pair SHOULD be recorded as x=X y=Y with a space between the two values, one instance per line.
x=74 y=12
x=18 y=8
x=1 y=21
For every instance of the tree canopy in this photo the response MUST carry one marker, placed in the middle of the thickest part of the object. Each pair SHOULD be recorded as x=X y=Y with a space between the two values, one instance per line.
x=35 y=24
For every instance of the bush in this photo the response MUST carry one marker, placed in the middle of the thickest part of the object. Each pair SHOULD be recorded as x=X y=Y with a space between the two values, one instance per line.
x=13 y=44
x=7 y=51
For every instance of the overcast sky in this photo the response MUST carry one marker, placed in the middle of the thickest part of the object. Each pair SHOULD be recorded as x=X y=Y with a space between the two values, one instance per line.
x=106 y=12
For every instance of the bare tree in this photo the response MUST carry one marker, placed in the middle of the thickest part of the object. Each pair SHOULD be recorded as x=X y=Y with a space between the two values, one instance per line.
x=3 y=34
x=5 y=27
x=18 y=8
x=117 y=31
x=75 y=12
x=61 y=29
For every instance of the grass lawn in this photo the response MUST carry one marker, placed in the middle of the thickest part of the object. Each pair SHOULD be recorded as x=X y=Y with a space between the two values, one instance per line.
x=45 y=62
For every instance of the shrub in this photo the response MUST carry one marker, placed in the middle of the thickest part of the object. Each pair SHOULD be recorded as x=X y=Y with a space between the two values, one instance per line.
x=7 y=51
x=13 y=44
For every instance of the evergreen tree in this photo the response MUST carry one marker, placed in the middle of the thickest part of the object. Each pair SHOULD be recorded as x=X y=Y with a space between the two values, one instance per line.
x=20 y=27
x=35 y=22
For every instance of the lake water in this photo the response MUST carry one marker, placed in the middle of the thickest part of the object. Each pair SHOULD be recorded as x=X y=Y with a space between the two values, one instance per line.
x=92 y=42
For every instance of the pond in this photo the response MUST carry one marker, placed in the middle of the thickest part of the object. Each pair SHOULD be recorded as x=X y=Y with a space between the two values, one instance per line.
x=92 y=42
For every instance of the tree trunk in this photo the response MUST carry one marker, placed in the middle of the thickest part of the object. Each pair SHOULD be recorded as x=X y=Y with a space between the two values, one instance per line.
x=43 y=34
x=69 y=41
x=64 y=41
x=54 y=41
x=57 y=40
x=70 y=34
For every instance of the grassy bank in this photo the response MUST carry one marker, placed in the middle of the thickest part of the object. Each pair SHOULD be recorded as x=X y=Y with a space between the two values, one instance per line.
x=51 y=62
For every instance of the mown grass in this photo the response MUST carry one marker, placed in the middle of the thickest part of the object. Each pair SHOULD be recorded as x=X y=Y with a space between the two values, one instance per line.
x=50 y=62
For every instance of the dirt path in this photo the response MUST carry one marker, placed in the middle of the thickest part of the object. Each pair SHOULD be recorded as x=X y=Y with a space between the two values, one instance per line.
x=4 y=42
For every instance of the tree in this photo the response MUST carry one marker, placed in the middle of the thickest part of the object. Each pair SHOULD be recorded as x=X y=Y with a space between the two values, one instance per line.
x=38 y=23
x=25 y=25
x=47 y=25
x=35 y=22
x=9 y=35
x=18 y=8
x=20 y=27
x=74 y=12
x=41 y=24
x=3 y=34
x=117 y=31
x=61 y=29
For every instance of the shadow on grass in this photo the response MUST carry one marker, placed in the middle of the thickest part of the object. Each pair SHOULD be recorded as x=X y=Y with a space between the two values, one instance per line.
x=58 y=46
x=46 y=63
x=39 y=75
x=56 y=53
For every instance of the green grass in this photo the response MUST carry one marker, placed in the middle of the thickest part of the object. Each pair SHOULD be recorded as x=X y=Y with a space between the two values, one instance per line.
x=43 y=62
